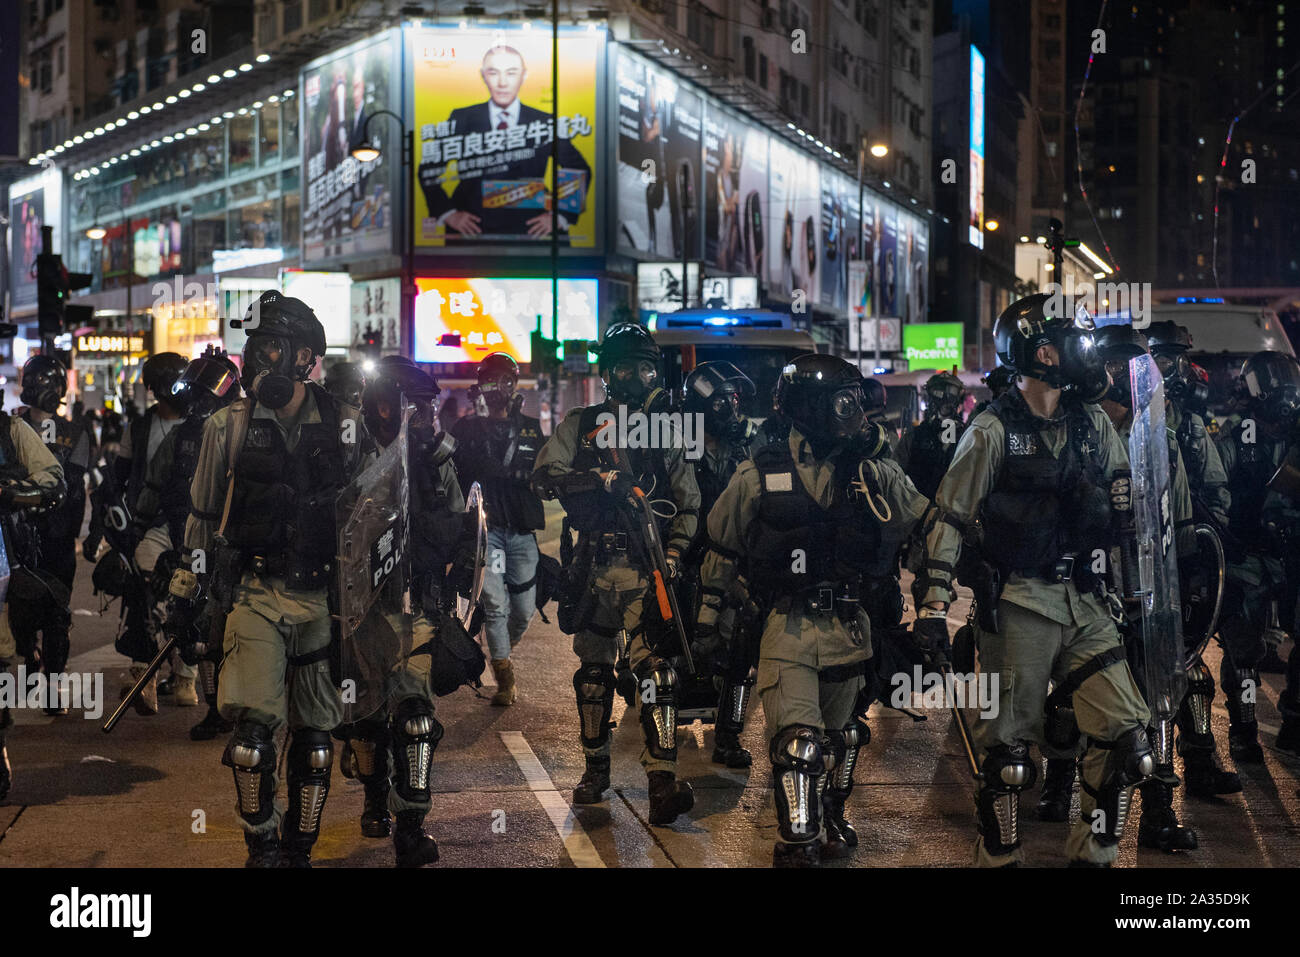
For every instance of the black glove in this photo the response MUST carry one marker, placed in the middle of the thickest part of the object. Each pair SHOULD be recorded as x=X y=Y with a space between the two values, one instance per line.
x=930 y=638
x=619 y=484
x=179 y=624
x=90 y=547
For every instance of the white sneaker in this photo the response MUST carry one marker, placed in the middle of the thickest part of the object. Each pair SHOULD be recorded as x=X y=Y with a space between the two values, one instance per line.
x=186 y=696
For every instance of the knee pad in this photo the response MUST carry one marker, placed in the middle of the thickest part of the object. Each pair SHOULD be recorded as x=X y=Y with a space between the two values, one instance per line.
x=311 y=755
x=369 y=744
x=1007 y=771
x=594 y=685
x=1195 y=712
x=416 y=733
x=844 y=745
x=659 y=715
x=1129 y=760
x=732 y=702
x=1240 y=689
x=208 y=677
x=798 y=763
x=251 y=754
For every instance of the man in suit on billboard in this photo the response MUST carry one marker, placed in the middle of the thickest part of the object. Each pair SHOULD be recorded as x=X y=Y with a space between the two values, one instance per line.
x=465 y=212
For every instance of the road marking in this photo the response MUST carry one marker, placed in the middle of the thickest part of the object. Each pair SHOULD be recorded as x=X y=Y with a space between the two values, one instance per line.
x=576 y=842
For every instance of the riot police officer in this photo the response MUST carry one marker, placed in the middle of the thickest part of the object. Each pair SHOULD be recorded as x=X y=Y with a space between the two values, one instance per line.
x=926 y=449
x=31 y=480
x=802 y=521
x=499 y=451
x=714 y=393
x=391 y=751
x=1030 y=488
x=143 y=438
x=1264 y=531
x=1207 y=482
x=268 y=537
x=346 y=381
x=209 y=383
x=609 y=574
x=44 y=384
x=998 y=380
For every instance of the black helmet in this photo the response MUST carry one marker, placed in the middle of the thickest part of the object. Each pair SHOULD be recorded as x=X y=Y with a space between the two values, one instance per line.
x=1167 y=335
x=45 y=383
x=159 y=373
x=1169 y=344
x=397 y=378
x=943 y=395
x=1032 y=322
x=497 y=375
x=715 y=390
x=629 y=363
x=874 y=395
x=346 y=381
x=278 y=326
x=998 y=379
x=208 y=383
x=1272 y=381
x=823 y=396
x=1117 y=345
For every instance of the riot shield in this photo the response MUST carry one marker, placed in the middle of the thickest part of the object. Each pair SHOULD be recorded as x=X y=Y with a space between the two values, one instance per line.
x=374 y=579
x=5 y=570
x=1201 y=588
x=478 y=519
x=1162 y=655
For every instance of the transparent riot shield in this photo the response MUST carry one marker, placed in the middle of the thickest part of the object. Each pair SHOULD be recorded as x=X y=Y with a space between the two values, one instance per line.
x=1162 y=653
x=374 y=579
x=5 y=570
x=477 y=517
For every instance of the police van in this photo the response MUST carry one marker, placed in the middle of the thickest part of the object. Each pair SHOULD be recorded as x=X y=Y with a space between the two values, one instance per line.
x=758 y=342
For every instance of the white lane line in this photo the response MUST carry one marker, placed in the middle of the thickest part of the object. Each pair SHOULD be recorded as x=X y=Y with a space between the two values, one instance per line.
x=576 y=842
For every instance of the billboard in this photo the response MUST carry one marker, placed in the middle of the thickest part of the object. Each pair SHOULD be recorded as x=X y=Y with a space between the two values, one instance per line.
x=660 y=121
x=933 y=345
x=976 y=147
x=839 y=202
x=34 y=202
x=330 y=296
x=482 y=115
x=377 y=304
x=497 y=315
x=347 y=205
x=794 y=206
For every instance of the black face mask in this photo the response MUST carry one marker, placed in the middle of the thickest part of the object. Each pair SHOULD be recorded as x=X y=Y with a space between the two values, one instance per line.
x=269 y=373
x=498 y=393
x=1120 y=389
x=42 y=393
x=634 y=382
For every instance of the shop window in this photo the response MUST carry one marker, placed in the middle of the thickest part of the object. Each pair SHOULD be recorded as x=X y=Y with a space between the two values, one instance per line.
x=257 y=225
x=269 y=131
x=289 y=129
x=241 y=142
x=209 y=234
x=292 y=220
x=259 y=188
x=204 y=157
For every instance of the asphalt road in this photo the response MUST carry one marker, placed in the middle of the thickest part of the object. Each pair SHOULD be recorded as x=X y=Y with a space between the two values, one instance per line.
x=146 y=796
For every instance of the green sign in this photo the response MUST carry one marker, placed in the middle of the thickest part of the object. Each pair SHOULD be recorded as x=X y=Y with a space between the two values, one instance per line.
x=932 y=345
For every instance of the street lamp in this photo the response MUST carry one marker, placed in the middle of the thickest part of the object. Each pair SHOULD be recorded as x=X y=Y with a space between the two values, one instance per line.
x=879 y=150
x=366 y=150
x=97 y=232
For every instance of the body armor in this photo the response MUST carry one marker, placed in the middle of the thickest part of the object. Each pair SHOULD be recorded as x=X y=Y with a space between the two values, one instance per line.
x=1042 y=506
x=283 y=504
x=930 y=457
x=175 y=493
x=512 y=444
x=839 y=541
x=1248 y=481
x=597 y=512
x=62 y=524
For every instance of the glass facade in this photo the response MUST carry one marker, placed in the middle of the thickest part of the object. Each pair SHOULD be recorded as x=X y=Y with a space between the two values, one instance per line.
x=233 y=184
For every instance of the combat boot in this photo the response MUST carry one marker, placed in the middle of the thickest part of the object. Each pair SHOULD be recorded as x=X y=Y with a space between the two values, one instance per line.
x=295 y=850
x=504 y=671
x=1205 y=779
x=375 y=819
x=1288 y=736
x=186 y=695
x=146 y=703
x=263 y=849
x=796 y=855
x=1243 y=743
x=414 y=848
x=838 y=828
x=1058 y=790
x=1158 y=828
x=211 y=726
x=594 y=783
x=727 y=750
x=668 y=797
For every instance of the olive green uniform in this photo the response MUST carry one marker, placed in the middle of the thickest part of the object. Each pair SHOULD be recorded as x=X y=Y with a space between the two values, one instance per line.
x=619 y=583
x=1047 y=629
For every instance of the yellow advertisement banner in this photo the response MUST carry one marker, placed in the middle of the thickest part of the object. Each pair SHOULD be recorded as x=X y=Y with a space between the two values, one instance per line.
x=483 y=131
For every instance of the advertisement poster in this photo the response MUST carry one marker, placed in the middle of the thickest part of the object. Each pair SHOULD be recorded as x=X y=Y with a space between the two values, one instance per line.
x=887 y=260
x=659 y=129
x=483 y=103
x=794 y=255
x=156 y=246
x=329 y=295
x=724 y=201
x=26 y=217
x=835 y=222
x=348 y=206
x=976 y=170
x=377 y=304
x=497 y=315
x=918 y=264
x=659 y=286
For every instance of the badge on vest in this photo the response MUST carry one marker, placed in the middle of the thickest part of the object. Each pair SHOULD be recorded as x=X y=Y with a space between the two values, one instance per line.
x=778 y=482
x=1022 y=443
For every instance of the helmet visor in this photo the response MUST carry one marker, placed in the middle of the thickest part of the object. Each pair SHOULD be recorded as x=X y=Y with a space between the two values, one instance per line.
x=636 y=375
x=206 y=375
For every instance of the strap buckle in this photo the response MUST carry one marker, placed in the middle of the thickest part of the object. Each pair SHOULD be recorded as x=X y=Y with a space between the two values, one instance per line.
x=1063 y=570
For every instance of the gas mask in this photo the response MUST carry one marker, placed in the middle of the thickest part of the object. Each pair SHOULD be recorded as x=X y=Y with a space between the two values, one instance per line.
x=723 y=418
x=1176 y=370
x=1082 y=367
x=1280 y=407
x=497 y=393
x=841 y=418
x=269 y=370
x=42 y=392
x=1121 y=388
x=635 y=382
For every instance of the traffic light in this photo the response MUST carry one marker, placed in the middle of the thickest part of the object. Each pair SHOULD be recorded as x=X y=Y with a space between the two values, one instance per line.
x=53 y=287
x=371 y=343
x=545 y=353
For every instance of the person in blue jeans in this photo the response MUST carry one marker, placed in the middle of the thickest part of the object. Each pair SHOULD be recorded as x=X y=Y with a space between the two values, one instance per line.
x=499 y=451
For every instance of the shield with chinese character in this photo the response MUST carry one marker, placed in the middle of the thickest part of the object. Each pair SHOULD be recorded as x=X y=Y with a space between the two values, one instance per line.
x=476 y=521
x=373 y=580
x=1162 y=666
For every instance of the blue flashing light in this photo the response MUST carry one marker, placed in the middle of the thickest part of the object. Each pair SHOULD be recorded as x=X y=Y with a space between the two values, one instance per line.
x=1213 y=300
x=722 y=321
x=879 y=370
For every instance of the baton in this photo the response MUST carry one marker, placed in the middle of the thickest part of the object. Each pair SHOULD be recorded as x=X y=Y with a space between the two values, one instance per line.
x=945 y=667
x=138 y=687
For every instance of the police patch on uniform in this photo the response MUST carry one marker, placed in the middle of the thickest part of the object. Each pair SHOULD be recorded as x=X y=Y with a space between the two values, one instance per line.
x=258 y=438
x=1022 y=443
x=778 y=482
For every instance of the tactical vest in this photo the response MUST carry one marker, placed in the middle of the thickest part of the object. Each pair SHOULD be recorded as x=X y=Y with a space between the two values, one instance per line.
x=175 y=493
x=282 y=508
x=838 y=542
x=930 y=457
x=62 y=524
x=596 y=512
x=21 y=537
x=712 y=484
x=1043 y=506
x=510 y=504
x=1248 y=481
x=435 y=529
